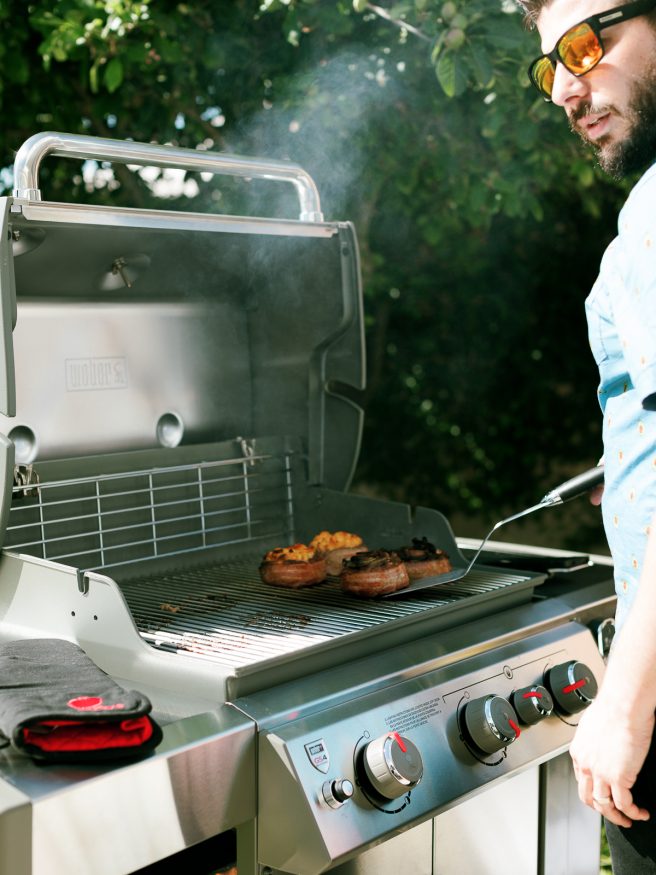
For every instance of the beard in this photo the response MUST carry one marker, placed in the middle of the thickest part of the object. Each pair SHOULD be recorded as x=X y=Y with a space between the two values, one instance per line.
x=638 y=149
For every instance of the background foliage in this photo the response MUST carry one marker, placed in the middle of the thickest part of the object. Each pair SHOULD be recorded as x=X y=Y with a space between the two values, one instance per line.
x=480 y=219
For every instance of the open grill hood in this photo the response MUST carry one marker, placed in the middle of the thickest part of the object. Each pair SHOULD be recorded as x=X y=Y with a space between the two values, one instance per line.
x=224 y=331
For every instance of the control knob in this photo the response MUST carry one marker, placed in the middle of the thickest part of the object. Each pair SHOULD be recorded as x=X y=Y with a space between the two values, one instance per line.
x=491 y=723
x=604 y=632
x=572 y=685
x=393 y=765
x=532 y=704
x=337 y=792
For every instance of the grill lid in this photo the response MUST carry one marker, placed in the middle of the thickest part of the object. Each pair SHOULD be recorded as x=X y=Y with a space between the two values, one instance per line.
x=159 y=328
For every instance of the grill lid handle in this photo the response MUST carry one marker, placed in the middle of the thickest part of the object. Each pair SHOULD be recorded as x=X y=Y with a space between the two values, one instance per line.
x=33 y=151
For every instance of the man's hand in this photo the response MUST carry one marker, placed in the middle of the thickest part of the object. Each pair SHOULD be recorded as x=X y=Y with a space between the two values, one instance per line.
x=596 y=495
x=608 y=752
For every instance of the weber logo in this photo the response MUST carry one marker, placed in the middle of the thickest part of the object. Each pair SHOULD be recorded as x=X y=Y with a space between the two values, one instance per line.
x=92 y=374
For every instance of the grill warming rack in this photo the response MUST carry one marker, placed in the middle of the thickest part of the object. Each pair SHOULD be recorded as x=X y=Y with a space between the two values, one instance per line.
x=111 y=521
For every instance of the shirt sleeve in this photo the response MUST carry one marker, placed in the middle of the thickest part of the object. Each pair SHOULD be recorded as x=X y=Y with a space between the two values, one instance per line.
x=634 y=299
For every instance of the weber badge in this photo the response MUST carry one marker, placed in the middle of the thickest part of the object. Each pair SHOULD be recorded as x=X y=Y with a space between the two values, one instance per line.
x=318 y=755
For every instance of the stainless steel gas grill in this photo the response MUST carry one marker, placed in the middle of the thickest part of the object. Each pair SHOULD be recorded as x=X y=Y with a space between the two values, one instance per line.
x=186 y=397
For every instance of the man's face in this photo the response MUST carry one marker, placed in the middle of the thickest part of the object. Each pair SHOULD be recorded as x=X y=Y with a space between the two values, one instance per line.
x=613 y=107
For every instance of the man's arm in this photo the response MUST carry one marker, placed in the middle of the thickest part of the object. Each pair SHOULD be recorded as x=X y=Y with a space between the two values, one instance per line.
x=615 y=732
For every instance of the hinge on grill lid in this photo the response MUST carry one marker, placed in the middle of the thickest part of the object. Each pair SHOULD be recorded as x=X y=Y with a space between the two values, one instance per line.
x=26 y=482
x=118 y=269
x=247 y=450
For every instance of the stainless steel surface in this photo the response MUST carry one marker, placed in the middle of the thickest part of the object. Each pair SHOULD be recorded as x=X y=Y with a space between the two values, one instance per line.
x=570 y=836
x=382 y=669
x=102 y=393
x=408 y=854
x=7 y=458
x=15 y=831
x=113 y=820
x=33 y=151
x=42 y=599
x=34 y=217
x=121 y=360
x=7 y=314
x=493 y=833
x=425 y=708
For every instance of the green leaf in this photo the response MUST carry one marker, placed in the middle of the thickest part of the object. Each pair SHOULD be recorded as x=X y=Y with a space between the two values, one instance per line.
x=480 y=64
x=437 y=48
x=451 y=74
x=93 y=78
x=113 y=74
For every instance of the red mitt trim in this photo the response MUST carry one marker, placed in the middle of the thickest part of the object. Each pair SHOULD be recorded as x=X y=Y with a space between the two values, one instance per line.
x=75 y=735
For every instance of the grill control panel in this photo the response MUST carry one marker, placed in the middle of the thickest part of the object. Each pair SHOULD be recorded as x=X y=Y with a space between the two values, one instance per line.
x=373 y=765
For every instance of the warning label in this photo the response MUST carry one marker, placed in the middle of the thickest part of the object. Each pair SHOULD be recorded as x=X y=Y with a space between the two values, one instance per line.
x=418 y=715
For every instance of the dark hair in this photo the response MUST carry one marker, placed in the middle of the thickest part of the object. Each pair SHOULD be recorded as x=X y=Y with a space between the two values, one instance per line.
x=531 y=10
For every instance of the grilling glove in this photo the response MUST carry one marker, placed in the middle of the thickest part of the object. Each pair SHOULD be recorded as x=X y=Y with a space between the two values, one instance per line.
x=57 y=705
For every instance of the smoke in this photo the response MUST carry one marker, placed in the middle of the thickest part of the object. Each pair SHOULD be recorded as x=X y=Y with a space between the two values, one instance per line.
x=322 y=119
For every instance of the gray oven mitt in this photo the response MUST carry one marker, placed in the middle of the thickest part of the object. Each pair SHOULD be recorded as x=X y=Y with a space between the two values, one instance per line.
x=57 y=705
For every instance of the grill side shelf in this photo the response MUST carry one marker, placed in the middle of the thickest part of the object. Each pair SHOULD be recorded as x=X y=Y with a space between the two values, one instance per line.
x=199 y=782
x=42 y=599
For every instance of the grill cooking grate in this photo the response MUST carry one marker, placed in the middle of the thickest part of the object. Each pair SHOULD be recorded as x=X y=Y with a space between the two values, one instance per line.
x=224 y=613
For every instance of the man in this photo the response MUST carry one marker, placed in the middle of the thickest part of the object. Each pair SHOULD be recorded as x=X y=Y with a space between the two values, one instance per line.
x=600 y=67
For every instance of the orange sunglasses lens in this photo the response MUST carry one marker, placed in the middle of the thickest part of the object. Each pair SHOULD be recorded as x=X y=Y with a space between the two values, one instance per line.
x=579 y=49
x=543 y=74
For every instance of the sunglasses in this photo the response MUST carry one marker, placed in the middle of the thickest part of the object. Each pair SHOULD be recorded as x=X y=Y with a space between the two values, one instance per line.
x=581 y=48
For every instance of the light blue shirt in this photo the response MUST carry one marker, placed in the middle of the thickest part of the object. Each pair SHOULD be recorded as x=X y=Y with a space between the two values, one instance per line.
x=621 y=311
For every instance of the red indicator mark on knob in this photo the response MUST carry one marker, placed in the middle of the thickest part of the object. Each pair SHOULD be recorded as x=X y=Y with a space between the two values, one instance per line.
x=571 y=687
x=515 y=728
x=397 y=738
x=532 y=695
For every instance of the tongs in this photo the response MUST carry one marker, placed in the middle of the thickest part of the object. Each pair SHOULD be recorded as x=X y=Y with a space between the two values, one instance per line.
x=568 y=490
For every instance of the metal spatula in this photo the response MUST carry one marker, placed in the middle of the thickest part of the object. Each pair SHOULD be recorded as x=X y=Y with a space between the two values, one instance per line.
x=572 y=488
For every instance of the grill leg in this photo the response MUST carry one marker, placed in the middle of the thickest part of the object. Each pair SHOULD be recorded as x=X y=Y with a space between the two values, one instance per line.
x=247 y=848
